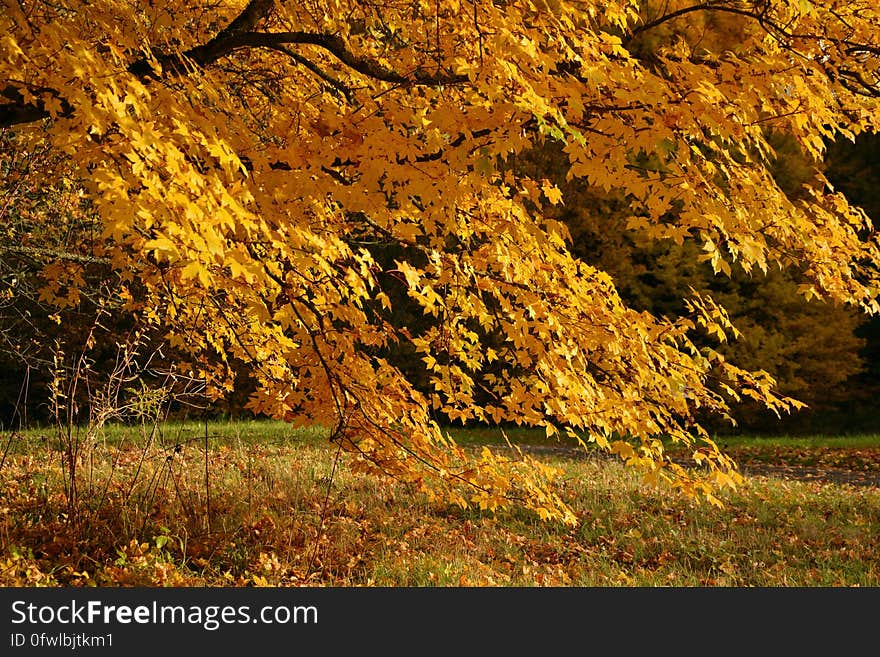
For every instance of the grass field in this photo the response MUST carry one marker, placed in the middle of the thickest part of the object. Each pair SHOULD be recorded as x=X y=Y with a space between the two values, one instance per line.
x=267 y=505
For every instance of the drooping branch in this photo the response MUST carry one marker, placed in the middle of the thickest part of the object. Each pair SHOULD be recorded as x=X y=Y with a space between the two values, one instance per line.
x=218 y=48
x=238 y=35
x=852 y=80
x=19 y=111
x=712 y=5
x=336 y=86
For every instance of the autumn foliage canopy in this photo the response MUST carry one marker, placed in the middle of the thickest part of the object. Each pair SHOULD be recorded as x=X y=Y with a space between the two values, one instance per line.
x=274 y=179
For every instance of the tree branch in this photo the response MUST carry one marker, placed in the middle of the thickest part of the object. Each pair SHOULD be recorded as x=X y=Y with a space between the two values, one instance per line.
x=19 y=111
x=52 y=254
x=337 y=86
x=236 y=36
x=255 y=11
x=225 y=44
x=854 y=80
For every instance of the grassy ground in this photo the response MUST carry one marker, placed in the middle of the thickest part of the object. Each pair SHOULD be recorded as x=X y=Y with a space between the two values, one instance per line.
x=271 y=506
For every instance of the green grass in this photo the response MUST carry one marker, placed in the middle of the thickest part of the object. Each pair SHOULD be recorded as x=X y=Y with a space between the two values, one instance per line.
x=528 y=436
x=229 y=432
x=275 y=511
x=170 y=434
x=854 y=441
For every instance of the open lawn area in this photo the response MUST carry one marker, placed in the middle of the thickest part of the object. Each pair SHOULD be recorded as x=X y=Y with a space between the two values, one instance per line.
x=268 y=505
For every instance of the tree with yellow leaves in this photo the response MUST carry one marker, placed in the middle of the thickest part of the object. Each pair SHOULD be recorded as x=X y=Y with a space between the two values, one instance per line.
x=249 y=161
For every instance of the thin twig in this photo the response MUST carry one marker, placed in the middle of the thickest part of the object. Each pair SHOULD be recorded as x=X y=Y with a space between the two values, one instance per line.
x=323 y=512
